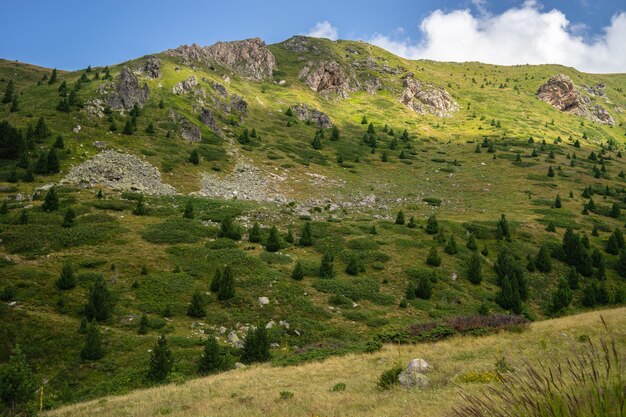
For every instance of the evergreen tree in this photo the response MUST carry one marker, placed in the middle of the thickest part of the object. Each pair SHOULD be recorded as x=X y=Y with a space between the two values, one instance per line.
x=316 y=143
x=621 y=263
x=433 y=257
x=194 y=157
x=66 y=280
x=188 y=213
x=327 y=266
x=615 y=210
x=471 y=243
x=150 y=130
x=474 y=269
x=23 y=217
x=99 y=304
x=543 y=261
x=412 y=224
x=572 y=278
x=4 y=209
x=557 y=202
x=273 y=241
x=143 y=324
x=306 y=237
x=364 y=120
x=561 y=297
x=289 y=237
x=63 y=89
x=15 y=104
x=354 y=264
x=450 y=247
x=229 y=230
x=212 y=360
x=589 y=298
x=335 y=134
x=140 y=207
x=58 y=143
x=217 y=280
x=254 y=235
x=550 y=171
x=400 y=217
x=507 y=266
x=410 y=290
x=424 y=288
x=196 y=307
x=227 y=285
x=370 y=129
x=68 y=218
x=256 y=346
x=289 y=112
x=53 y=77
x=432 y=225
x=92 y=351
x=509 y=298
x=128 y=128
x=83 y=327
x=51 y=201
x=8 y=93
x=298 y=272
x=17 y=382
x=161 y=360
x=53 y=163
x=502 y=229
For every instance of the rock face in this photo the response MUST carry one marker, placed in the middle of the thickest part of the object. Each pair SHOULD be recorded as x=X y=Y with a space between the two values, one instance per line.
x=185 y=86
x=314 y=116
x=119 y=171
x=127 y=92
x=249 y=58
x=413 y=375
x=188 y=130
x=326 y=78
x=152 y=67
x=561 y=93
x=427 y=99
x=206 y=117
x=238 y=104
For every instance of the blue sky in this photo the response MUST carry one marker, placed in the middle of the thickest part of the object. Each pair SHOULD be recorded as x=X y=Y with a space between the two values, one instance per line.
x=73 y=34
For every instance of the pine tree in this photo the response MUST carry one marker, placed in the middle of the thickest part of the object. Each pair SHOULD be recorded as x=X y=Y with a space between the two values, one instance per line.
x=8 y=93
x=150 y=129
x=58 y=143
x=23 y=217
x=550 y=171
x=196 y=307
x=450 y=247
x=433 y=257
x=256 y=346
x=400 y=217
x=289 y=237
x=306 y=237
x=424 y=288
x=410 y=290
x=474 y=269
x=143 y=324
x=53 y=77
x=298 y=272
x=66 y=280
x=432 y=225
x=316 y=143
x=128 y=128
x=53 y=163
x=99 y=304
x=254 y=234
x=15 y=104
x=4 y=209
x=227 y=285
x=615 y=210
x=194 y=157
x=543 y=261
x=573 y=278
x=557 y=202
x=561 y=297
x=229 y=230
x=217 y=280
x=273 y=241
x=508 y=298
x=83 y=326
x=327 y=266
x=68 y=218
x=621 y=263
x=92 y=351
x=17 y=381
x=161 y=360
x=364 y=120
x=51 y=201
x=370 y=129
x=188 y=212
x=211 y=360
x=354 y=264
x=412 y=224
x=140 y=207
x=471 y=243
x=62 y=89
x=289 y=112
x=335 y=134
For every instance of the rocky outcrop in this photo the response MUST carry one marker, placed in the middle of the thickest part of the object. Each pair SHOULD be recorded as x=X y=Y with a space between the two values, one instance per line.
x=413 y=375
x=127 y=92
x=220 y=89
x=119 y=171
x=185 y=86
x=249 y=58
x=152 y=67
x=239 y=105
x=188 y=130
x=427 y=99
x=206 y=117
x=93 y=108
x=314 y=116
x=561 y=93
x=326 y=78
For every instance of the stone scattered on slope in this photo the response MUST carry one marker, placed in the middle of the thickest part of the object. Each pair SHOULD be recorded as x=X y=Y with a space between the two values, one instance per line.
x=185 y=86
x=127 y=92
x=152 y=67
x=188 y=130
x=427 y=99
x=314 y=116
x=206 y=117
x=119 y=171
x=326 y=78
x=561 y=93
x=413 y=375
x=249 y=58
x=220 y=89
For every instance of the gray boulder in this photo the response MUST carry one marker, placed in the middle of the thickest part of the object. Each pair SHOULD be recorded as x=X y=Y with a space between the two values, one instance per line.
x=427 y=99
x=206 y=117
x=127 y=92
x=314 y=116
x=185 y=86
x=152 y=67
x=238 y=104
x=326 y=78
x=413 y=375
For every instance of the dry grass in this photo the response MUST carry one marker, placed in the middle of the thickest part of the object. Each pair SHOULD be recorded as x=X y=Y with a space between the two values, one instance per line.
x=255 y=391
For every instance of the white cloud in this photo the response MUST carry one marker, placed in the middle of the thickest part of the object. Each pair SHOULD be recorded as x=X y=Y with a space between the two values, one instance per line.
x=525 y=35
x=324 y=30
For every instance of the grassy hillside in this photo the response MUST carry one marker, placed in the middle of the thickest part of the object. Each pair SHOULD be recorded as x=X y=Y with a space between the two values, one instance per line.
x=153 y=263
x=256 y=391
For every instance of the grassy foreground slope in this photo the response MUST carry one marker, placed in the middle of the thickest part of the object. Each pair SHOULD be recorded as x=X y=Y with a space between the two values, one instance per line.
x=255 y=391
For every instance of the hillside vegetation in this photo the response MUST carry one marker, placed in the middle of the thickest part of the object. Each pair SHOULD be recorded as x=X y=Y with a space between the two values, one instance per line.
x=334 y=194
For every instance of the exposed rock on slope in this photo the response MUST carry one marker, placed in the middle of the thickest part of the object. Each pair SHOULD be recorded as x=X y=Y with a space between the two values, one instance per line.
x=326 y=78
x=249 y=58
x=206 y=117
x=152 y=67
x=185 y=86
x=127 y=92
x=246 y=182
x=426 y=98
x=188 y=130
x=561 y=93
x=314 y=116
x=119 y=171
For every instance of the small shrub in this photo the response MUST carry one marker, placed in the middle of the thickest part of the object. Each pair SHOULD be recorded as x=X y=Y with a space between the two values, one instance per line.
x=389 y=378
x=286 y=395
x=338 y=387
